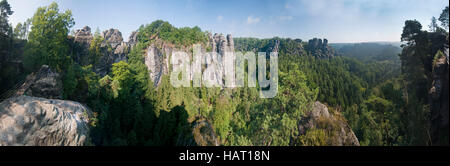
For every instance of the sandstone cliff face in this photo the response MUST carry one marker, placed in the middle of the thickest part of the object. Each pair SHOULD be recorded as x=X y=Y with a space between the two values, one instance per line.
x=113 y=49
x=83 y=35
x=439 y=101
x=340 y=133
x=157 y=60
x=44 y=83
x=159 y=52
x=33 y=121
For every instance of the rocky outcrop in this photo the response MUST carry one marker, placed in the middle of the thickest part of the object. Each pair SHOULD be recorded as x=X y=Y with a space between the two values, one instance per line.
x=204 y=134
x=45 y=83
x=112 y=36
x=159 y=51
x=157 y=60
x=439 y=98
x=83 y=35
x=319 y=48
x=82 y=42
x=338 y=131
x=113 y=48
x=132 y=40
x=33 y=121
x=220 y=43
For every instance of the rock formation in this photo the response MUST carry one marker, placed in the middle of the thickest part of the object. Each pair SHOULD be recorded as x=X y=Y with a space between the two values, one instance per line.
x=439 y=98
x=319 y=48
x=132 y=40
x=340 y=133
x=83 y=35
x=157 y=60
x=33 y=121
x=204 y=134
x=82 y=42
x=45 y=83
x=113 y=48
x=112 y=36
x=158 y=53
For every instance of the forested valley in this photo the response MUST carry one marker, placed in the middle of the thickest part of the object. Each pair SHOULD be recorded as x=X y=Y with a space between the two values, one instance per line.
x=380 y=93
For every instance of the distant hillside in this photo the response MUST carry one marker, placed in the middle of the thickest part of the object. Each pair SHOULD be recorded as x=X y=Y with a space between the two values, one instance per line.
x=377 y=51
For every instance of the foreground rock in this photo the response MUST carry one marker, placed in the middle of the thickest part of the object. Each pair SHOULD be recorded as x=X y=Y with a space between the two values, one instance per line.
x=336 y=129
x=36 y=121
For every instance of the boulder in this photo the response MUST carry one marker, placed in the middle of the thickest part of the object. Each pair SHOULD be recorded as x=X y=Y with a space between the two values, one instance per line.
x=33 y=121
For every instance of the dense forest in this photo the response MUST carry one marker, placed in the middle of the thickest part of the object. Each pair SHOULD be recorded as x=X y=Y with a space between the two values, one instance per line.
x=380 y=90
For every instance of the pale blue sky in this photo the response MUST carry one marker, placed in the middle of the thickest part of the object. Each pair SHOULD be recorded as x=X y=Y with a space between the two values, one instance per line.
x=337 y=20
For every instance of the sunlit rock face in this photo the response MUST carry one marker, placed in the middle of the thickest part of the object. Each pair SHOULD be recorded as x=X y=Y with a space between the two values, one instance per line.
x=158 y=54
x=340 y=133
x=34 y=121
x=113 y=48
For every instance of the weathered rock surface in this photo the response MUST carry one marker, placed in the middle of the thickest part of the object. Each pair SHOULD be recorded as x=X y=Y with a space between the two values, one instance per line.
x=158 y=53
x=113 y=48
x=132 y=40
x=112 y=36
x=439 y=98
x=157 y=60
x=33 y=121
x=45 y=83
x=83 y=35
x=340 y=133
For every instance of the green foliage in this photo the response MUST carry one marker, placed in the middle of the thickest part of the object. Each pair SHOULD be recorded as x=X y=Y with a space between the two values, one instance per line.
x=381 y=106
x=275 y=121
x=370 y=52
x=443 y=18
x=22 y=30
x=287 y=46
x=70 y=79
x=6 y=11
x=314 y=137
x=221 y=117
x=179 y=36
x=95 y=51
x=48 y=43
